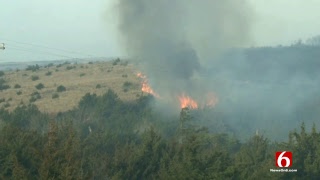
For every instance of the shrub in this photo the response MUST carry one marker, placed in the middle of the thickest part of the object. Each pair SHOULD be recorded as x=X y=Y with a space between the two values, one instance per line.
x=1 y=73
x=19 y=93
x=115 y=62
x=10 y=99
x=34 y=78
x=32 y=99
x=33 y=68
x=35 y=93
x=50 y=65
x=125 y=63
x=55 y=95
x=6 y=105
x=98 y=86
x=17 y=86
x=48 y=73
x=2 y=100
x=61 y=88
x=39 y=86
x=3 y=85
x=126 y=86
x=82 y=74
x=124 y=75
x=35 y=96
x=70 y=67
x=90 y=62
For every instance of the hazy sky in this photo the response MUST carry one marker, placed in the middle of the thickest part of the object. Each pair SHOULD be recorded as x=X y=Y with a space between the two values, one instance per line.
x=88 y=27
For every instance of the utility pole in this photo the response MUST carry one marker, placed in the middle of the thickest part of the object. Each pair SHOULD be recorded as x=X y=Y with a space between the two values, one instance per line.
x=2 y=46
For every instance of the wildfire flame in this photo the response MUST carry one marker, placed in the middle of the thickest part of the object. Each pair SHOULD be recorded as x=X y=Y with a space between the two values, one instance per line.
x=212 y=100
x=145 y=87
x=186 y=101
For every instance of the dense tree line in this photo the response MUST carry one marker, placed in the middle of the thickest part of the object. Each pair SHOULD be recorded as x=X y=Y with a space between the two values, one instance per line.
x=106 y=138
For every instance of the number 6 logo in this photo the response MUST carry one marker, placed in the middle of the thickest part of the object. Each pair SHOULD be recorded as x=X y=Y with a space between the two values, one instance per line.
x=283 y=159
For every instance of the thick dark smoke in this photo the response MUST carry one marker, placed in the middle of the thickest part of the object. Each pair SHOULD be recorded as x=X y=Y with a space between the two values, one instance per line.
x=190 y=46
x=175 y=39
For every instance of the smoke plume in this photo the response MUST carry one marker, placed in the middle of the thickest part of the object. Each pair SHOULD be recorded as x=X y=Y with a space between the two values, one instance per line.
x=175 y=40
x=191 y=47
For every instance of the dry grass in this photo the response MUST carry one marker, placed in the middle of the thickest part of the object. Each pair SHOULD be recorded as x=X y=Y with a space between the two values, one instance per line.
x=103 y=73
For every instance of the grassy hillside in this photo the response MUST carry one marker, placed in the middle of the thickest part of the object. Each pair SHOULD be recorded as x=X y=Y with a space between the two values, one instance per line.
x=78 y=79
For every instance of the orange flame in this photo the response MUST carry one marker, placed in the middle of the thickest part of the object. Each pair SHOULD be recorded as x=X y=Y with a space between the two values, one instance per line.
x=145 y=86
x=212 y=100
x=140 y=75
x=186 y=101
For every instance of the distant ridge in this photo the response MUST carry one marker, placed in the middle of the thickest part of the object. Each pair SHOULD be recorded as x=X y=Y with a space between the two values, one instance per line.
x=22 y=65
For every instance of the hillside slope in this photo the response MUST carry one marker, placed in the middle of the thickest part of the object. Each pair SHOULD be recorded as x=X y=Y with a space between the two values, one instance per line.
x=78 y=79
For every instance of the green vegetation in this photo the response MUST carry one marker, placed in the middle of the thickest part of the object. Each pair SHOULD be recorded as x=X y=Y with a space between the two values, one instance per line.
x=6 y=105
x=2 y=100
x=34 y=77
x=49 y=73
x=3 y=85
x=116 y=62
x=19 y=93
x=98 y=86
x=124 y=63
x=70 y=67
x=82 y=74
x=34 y=96
x=55 y=95
x=103 y=138
x=124 y=75
x=49 y=65
x=33 y=68
x=2 y=73
x=61 y=88
x=126 y=86
x=39 y=86
x=17 y=86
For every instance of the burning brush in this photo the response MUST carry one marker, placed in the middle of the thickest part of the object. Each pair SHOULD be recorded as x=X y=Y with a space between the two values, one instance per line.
x=185 y=101
x=145 y=86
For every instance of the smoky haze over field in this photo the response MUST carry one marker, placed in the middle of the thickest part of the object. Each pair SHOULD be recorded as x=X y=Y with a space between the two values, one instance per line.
x=174 y=40
x=187 y=46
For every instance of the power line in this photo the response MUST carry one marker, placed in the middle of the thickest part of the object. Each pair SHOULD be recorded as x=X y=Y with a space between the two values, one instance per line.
x=42 y=52
x=46 y=47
